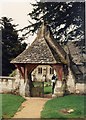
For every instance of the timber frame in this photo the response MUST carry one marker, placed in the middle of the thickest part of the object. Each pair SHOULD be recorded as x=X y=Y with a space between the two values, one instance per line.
x=43 y=51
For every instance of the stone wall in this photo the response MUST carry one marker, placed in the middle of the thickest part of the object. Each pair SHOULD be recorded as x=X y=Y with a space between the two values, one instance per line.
x=7 y=84
x=10 y=84
x=71 y=82
x=80 y=88
x=73 y=87
x=18 y=85
x=15 y=85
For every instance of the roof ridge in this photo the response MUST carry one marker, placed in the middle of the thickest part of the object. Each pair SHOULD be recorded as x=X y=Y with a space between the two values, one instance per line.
x=56 y=49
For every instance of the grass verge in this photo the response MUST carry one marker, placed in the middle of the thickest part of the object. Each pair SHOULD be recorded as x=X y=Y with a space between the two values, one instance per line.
x=10 y=104
x=54 y=107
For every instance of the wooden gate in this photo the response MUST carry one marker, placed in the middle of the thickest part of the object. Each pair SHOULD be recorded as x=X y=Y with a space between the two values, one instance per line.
x=37 y=89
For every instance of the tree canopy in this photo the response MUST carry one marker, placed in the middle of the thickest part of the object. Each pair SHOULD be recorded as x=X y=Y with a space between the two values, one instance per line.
x=66 y=19
x=11 y=46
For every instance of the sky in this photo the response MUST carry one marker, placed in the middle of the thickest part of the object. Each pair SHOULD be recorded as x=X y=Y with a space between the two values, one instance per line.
x=17 y=10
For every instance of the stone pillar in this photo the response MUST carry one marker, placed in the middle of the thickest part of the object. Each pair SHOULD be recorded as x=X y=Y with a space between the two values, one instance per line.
x=27 y=88
x=27 y=82
x=58 y=91
x=22 y=87
x=58 y=86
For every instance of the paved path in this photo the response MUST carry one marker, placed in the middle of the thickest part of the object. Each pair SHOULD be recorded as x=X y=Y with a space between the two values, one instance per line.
x=31 y=108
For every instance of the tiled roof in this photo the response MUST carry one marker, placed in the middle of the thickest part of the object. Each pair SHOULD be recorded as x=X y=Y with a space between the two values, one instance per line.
x=44 y=50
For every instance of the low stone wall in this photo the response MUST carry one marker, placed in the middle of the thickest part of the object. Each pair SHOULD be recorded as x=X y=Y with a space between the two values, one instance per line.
x=13 y=85
x=8 y=84
x=81 y=88
x=16 y=85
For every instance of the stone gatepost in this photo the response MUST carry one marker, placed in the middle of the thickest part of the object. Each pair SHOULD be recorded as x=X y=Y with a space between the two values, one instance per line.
x=27 y=82
x=24 y=88
x=27 y=87
x=58 y=90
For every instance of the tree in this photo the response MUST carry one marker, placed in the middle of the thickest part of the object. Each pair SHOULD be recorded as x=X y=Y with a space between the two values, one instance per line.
x=11 y=46
x=66 y=19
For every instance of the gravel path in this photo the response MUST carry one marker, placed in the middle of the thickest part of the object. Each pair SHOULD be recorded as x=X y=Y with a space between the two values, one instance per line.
x=31 y=108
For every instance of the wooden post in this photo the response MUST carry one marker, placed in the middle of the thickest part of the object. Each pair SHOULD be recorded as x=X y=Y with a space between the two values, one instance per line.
x=21 y=69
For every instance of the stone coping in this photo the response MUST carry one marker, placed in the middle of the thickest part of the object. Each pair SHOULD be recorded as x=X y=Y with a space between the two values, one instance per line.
x=6 y=77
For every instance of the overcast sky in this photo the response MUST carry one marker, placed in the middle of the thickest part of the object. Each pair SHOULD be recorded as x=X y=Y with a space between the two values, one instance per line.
x=17 y=10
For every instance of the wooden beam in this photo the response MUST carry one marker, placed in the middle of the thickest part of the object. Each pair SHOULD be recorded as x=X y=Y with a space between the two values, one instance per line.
x=31 y=67
x=25 y=73
x=59 y=70
x=21 y=69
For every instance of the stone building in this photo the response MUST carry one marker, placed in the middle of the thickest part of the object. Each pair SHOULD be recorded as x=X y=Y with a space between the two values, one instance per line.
x=43 y=51
x=43 y=73
x=76 y=65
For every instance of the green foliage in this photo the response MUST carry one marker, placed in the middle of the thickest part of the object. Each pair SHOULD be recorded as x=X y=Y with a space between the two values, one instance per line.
x=11 y=46
x=10 y=104
x=13 y=73
x=53 y=107
x=56 y=14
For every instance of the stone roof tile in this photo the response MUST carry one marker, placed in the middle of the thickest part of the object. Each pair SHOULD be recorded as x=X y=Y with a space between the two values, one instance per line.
x=44 y=50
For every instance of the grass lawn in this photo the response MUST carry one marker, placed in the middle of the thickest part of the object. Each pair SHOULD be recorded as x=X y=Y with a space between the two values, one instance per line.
x=10 y=104
x=47 y=88
x=54 y=107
